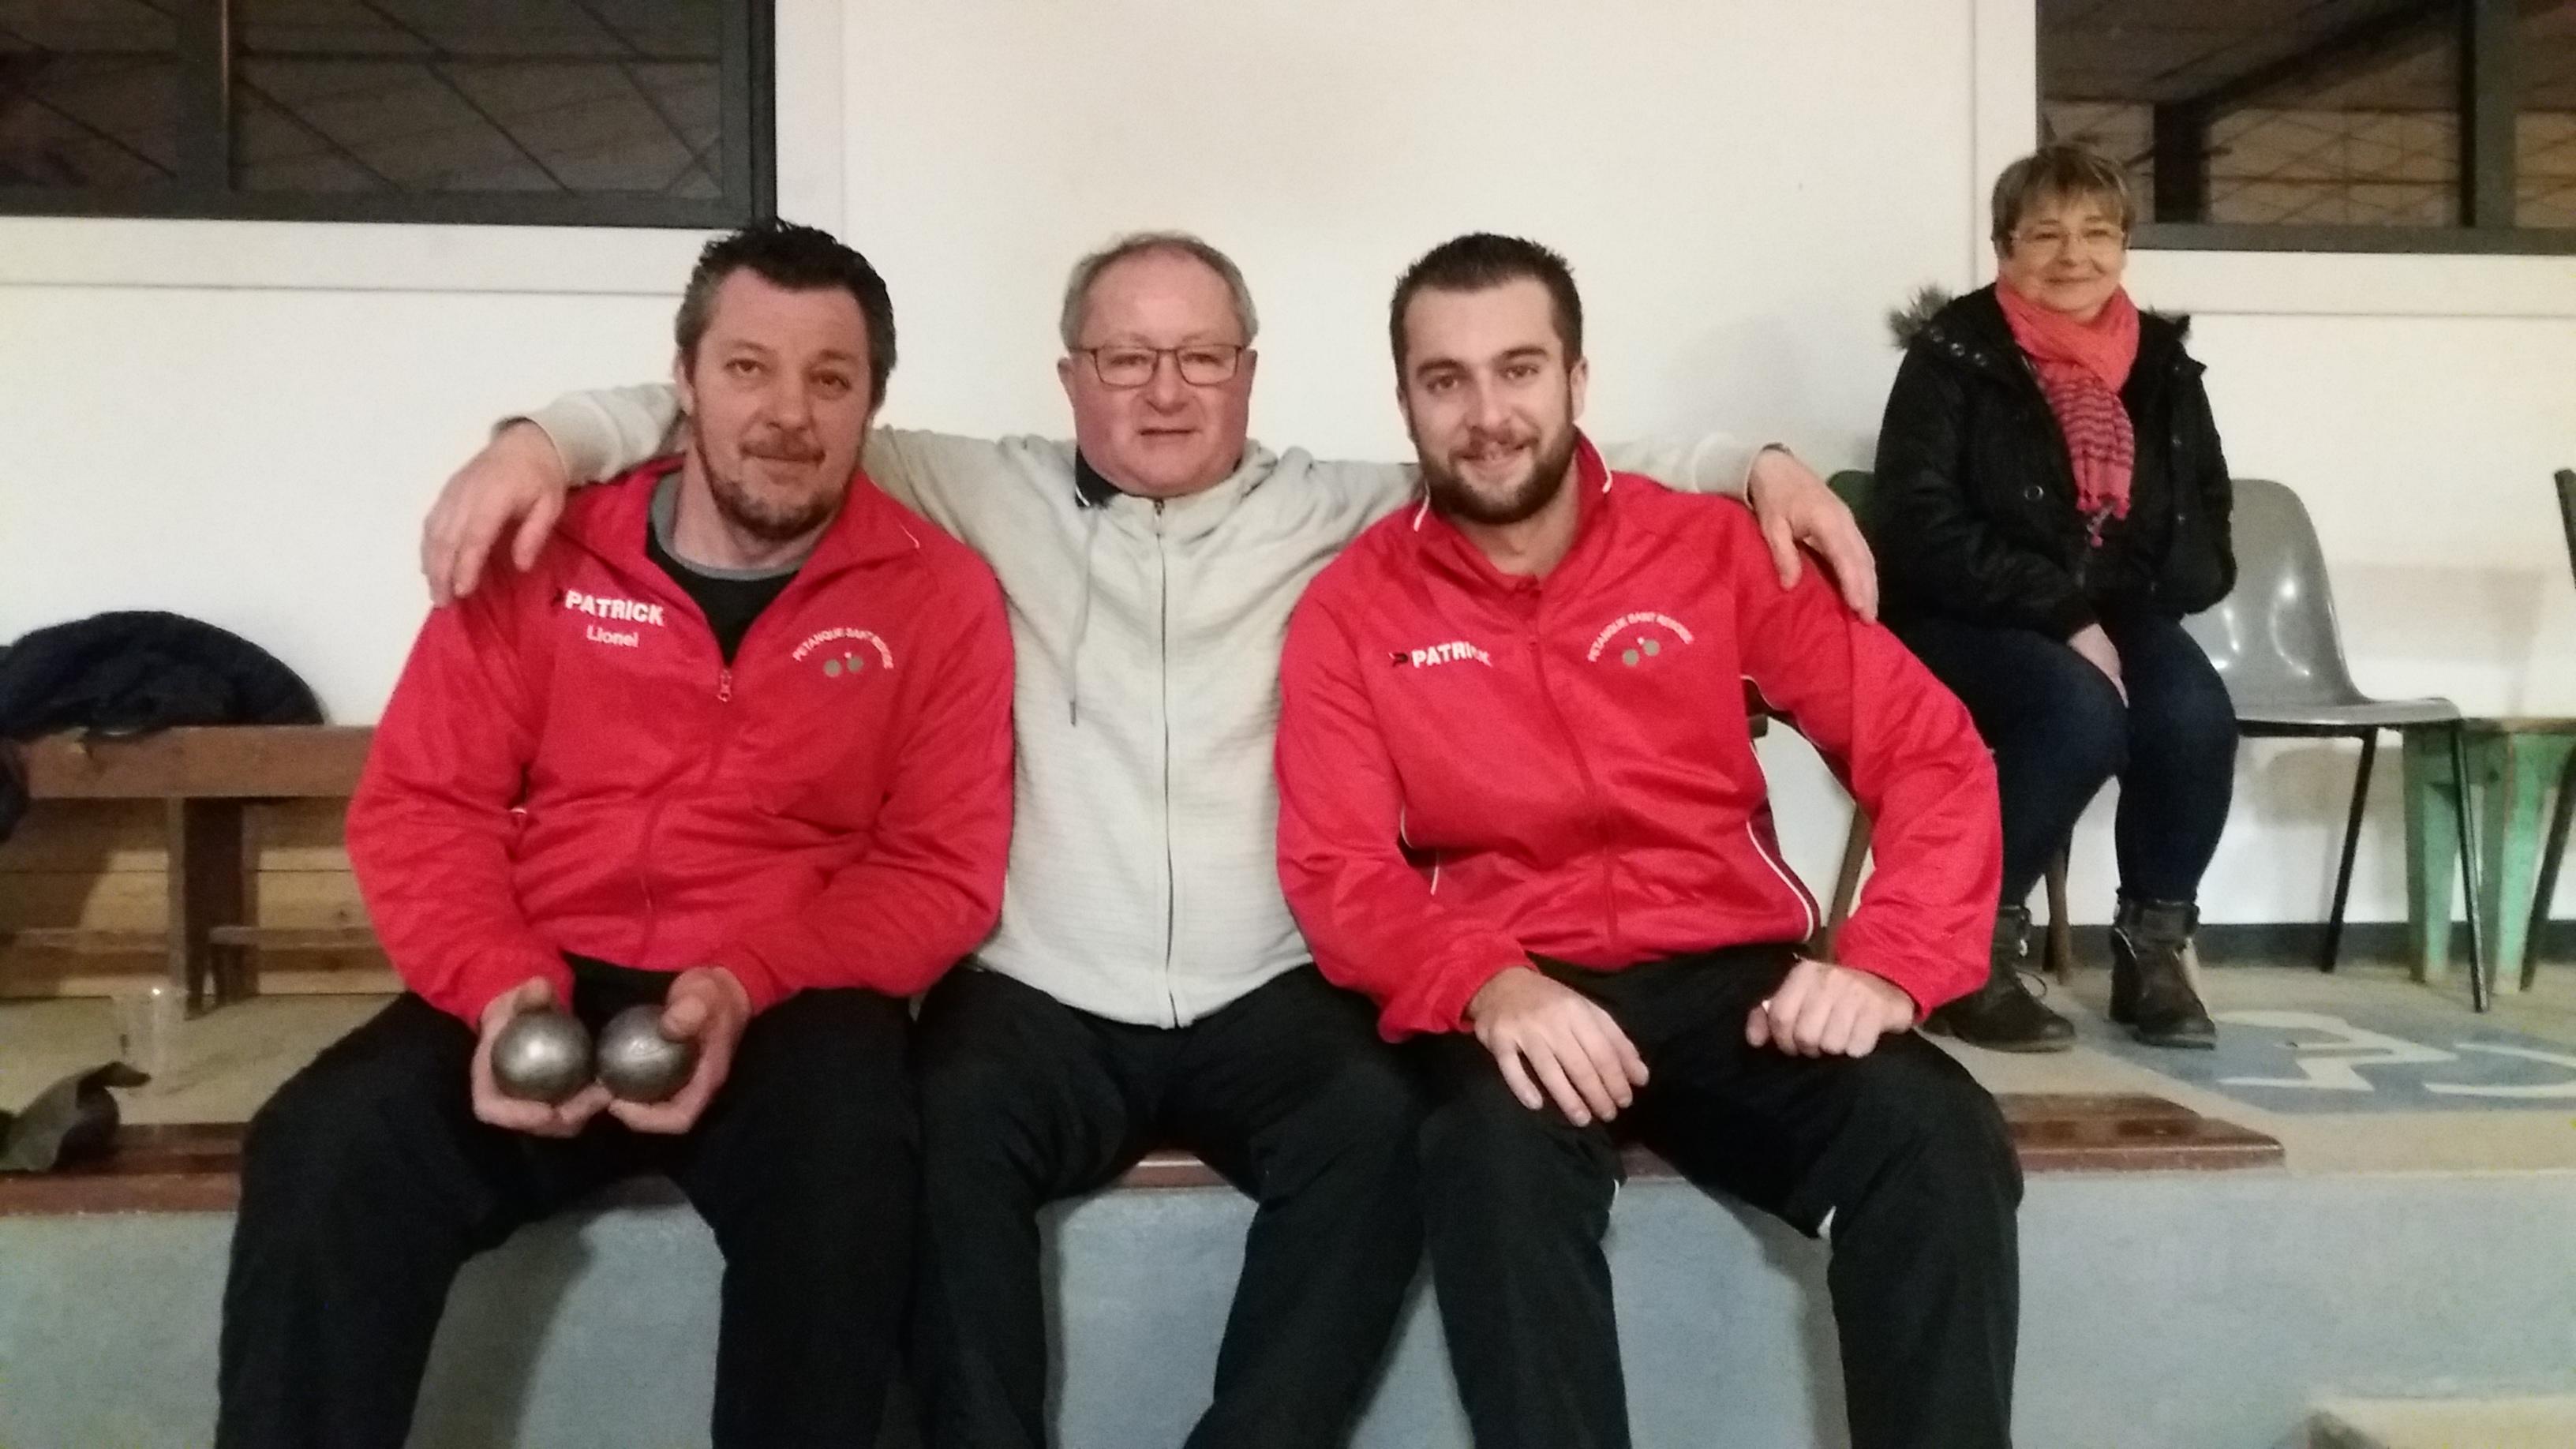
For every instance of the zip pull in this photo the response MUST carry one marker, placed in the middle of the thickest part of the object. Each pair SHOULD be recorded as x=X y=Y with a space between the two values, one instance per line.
x=724 y=685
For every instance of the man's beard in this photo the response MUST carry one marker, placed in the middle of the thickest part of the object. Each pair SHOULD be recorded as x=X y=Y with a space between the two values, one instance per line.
x=781 y=521
x=1456 y=499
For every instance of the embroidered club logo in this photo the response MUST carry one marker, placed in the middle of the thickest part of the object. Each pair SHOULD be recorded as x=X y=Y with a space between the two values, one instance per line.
x=1638 y=638
x=858 y=648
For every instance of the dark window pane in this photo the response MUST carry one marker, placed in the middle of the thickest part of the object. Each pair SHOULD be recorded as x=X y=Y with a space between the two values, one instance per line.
x=587 y=97
x=2545 y=131
x=2309 y=112
x=87 y=94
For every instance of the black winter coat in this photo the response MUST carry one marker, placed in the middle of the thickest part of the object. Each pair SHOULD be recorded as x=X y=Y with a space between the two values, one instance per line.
x=1973 y=515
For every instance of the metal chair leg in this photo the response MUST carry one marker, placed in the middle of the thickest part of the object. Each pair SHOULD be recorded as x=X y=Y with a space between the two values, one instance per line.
x=2351 y=844
x=1847 y=879
x=2479 y=986
x=2550 y=855
x=2058 y=955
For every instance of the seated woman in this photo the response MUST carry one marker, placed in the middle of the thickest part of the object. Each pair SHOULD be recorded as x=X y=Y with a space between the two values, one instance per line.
x=2050 y=503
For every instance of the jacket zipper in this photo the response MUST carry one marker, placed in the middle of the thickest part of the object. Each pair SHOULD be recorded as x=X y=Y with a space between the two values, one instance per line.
x=1591 y=790
x=1163 y=682
x=715 y=762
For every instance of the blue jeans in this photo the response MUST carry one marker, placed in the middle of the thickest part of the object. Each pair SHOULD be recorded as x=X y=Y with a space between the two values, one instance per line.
x=2059 y=731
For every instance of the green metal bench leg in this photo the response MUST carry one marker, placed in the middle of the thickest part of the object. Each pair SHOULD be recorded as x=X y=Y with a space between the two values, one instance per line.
x=2550 y=856
x=2519 y=770
x=2432 y=843
x=2481 y=984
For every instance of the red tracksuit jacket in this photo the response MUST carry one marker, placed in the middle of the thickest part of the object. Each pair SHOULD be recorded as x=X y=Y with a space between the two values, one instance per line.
x=1475 y=768
x=569 y=765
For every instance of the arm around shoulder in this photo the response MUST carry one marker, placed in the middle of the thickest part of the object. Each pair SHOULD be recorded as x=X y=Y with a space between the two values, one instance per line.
x=1705 y=463
x=602 y=434
x=958 y=483
x=517 y=483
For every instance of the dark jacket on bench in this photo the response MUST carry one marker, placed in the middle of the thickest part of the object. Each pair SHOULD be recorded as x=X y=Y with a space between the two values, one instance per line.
x=134 y=672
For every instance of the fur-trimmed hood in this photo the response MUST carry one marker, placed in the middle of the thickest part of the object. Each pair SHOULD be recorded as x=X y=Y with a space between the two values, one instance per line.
x=1907 y=322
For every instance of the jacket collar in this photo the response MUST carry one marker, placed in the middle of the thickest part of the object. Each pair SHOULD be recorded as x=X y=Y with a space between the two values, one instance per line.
x=1191 y=514
x=1971 y=330
x=1449 y=552
x=1090 y=489
x=611 y=520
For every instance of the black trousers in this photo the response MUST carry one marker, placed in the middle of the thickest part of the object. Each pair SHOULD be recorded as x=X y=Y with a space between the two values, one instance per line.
x=1288 y=1092
x=1902 y=1149
x=367 y=1182
x=2060 y=732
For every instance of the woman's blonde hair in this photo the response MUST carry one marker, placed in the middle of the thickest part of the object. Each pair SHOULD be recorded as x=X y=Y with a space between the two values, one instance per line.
x=2061 y=172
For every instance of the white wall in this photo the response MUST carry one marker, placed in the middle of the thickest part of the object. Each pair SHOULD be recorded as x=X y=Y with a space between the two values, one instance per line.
x=244 y=421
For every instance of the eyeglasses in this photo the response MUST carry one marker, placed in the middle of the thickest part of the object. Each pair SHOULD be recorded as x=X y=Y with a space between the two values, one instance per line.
x=1202 y=364
x=2098 y=240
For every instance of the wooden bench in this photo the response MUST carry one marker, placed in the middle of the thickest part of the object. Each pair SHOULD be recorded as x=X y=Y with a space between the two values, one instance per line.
x=208 y=780
x=197 y=1168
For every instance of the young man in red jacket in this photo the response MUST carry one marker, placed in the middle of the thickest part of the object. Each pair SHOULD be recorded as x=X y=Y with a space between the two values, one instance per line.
x=1520 y=808
x=738 y=746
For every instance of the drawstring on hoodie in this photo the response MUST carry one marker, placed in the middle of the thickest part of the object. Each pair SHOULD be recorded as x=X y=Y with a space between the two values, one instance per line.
x=1081 y=619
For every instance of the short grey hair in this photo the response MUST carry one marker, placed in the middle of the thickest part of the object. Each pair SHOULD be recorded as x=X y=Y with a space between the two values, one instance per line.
x=1086 y=275
x=2059 y=173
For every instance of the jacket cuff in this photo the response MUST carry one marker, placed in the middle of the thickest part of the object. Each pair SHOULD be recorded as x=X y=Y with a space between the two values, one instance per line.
x=2070 y=618
x=1443 y=1007
x=1932 y=973
x=758 y=981
x=1923 y=997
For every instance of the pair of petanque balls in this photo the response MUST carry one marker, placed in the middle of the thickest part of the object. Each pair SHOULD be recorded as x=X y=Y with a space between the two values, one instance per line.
x=546 y=1056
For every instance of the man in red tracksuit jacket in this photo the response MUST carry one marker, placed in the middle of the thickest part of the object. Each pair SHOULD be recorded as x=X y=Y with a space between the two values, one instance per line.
x=1520 y=808
x=738 y=746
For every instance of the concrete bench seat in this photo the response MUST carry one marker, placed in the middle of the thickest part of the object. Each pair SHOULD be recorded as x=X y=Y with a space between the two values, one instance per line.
x=2261 y=1290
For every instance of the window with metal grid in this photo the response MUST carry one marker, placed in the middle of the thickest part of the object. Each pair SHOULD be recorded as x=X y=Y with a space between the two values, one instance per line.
x=540 y=112
x=2326 y=125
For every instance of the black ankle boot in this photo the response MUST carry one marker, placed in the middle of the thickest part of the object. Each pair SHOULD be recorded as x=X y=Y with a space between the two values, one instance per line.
x=2002 y=1015
x=2151 y=991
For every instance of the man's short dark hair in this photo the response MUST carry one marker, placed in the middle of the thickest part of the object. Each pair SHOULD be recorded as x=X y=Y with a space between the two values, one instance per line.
x=799 y=259
x=1480 y=261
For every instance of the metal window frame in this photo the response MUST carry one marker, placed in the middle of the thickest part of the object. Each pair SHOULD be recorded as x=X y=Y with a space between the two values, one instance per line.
x=2490 y=99
x=203 y=189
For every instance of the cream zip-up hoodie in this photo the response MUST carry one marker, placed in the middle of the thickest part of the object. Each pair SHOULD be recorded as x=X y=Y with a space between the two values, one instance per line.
x=1143 y=882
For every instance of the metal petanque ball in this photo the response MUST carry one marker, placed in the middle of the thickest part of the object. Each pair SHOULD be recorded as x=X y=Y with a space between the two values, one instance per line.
x=541 y=1056
x=637 y=1062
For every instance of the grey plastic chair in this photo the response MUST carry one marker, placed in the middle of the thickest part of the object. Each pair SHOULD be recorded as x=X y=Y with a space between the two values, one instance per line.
x=2277 y=646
